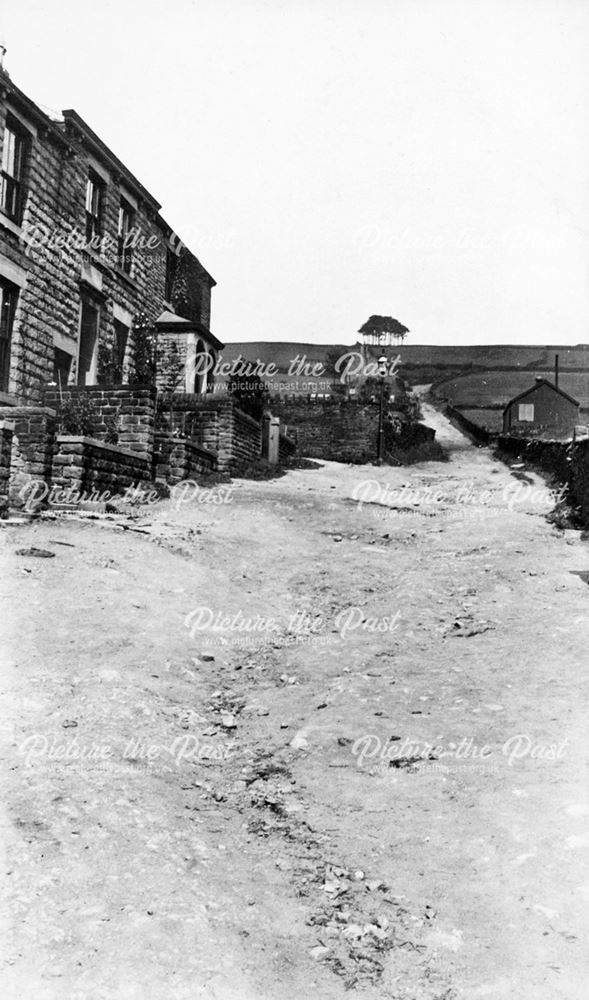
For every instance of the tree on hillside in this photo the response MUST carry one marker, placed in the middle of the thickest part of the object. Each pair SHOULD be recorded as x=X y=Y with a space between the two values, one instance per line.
x=383 y=331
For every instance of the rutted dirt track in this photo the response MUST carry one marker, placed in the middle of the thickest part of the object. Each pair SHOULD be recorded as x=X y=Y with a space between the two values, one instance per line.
x=184 y=827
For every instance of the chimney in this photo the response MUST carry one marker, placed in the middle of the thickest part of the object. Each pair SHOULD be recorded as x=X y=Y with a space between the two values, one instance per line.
x=2 y=54
x=556 y=370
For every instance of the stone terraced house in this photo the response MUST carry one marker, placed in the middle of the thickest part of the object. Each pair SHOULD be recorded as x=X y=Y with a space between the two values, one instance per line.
x=85 y=259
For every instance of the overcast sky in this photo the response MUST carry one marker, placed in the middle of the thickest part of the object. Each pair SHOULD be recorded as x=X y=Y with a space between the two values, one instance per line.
x=329 y=159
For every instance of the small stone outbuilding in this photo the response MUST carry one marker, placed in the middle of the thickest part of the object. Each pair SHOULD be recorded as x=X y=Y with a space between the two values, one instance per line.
x=544 y=407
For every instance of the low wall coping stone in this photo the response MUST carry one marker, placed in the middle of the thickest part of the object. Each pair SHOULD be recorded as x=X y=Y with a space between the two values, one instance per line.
x=95 y=443
x=195 y=446
x=26 y=411
x=144 y=387
x=161 y=437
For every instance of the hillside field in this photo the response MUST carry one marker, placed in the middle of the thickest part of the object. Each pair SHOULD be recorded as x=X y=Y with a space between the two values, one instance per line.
x=494 y=388
x=491 y=420
x=501 y=356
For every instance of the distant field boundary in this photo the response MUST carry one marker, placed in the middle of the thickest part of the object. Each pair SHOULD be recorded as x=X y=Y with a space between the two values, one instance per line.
x=481 y=406
x=480 y=434
x=496 y=369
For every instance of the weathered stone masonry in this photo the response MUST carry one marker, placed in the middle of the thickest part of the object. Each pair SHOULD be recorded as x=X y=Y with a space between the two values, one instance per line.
x=220 y=426
x=32 y=446
x=87 y=466
x=209 y=436
x=88 y=267
x=333 y=429
x=129 y=411
x=45 y=257
x=178 y=459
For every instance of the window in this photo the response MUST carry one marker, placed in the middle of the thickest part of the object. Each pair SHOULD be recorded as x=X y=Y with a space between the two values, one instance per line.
x=526 y=412
x=120 y=347
x=94 y=204
x=14 y=152
x=126 y=224
x=62 y=363
x=88 y=341
x=211 y=371
x=201 y=363
x=8 y=299
x=171 y=265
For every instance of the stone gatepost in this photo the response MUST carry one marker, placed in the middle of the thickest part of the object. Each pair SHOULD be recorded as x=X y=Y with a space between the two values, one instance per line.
x=270 y=438
x=6 y=432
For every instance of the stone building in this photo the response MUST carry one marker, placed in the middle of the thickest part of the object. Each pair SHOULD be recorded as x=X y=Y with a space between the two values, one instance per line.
x=87 y=262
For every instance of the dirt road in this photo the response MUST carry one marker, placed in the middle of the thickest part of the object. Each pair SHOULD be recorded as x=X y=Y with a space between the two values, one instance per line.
x=367 y=775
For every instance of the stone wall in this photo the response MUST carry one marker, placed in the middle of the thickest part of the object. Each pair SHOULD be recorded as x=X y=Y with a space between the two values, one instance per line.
x=554 y=457
x=240 y=440
x=479 y=433
x=217 y=427
x=127 y=411
x=177 y=459
x=347 y=431
x=6 y=431
x=568 y=462
x=32 y=446
x=86 y=465
x=204 y=425
x=220 y=426
x=339 y=430
x=579 y=477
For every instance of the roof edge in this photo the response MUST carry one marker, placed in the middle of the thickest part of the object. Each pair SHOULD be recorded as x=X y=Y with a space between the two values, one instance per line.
x=541 y=381
x=28 y=107
x=170 y=322
x=76 y=124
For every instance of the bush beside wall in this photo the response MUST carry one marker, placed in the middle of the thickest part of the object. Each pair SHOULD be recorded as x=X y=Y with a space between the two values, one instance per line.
x=579 y=478
x=6 y=432
x=286 y=448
